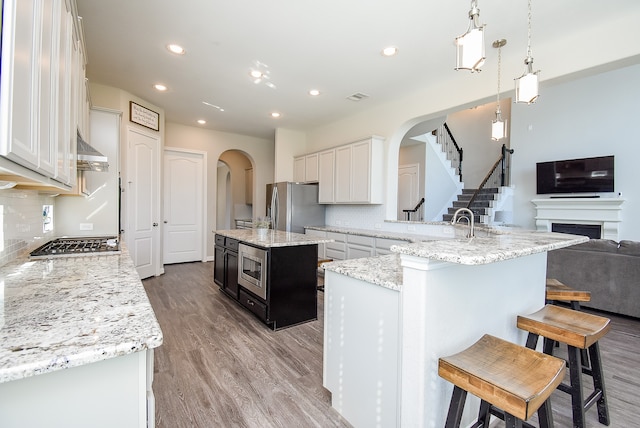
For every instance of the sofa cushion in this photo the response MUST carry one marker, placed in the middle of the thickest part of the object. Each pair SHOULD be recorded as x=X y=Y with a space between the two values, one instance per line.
x=602 y=245
x=629 y=248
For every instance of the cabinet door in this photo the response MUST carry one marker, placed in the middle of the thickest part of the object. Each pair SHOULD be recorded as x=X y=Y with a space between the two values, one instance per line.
x=19 y=80
x=231 y=281
x=343 y=174
x=326 y=168
x=65 y=170
x=361 y=171
x=311 y=167
x=298 y=169
x=218 y=266
x=46 y=64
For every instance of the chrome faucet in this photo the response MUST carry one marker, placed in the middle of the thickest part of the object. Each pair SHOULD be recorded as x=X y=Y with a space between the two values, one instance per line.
x=470 y=220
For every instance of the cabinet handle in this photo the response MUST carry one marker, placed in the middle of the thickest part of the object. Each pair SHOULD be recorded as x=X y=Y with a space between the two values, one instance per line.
x=250 y=302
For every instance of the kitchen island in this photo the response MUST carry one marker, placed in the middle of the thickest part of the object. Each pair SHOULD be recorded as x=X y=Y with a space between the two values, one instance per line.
x=272 y=274
x=388 y=319
x=77 y=342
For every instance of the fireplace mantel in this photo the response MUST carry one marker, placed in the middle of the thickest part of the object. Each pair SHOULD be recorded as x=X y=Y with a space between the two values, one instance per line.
x=606 y=212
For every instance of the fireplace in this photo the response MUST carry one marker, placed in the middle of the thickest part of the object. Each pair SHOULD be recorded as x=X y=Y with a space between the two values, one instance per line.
x=589 y=214
x=593 y=231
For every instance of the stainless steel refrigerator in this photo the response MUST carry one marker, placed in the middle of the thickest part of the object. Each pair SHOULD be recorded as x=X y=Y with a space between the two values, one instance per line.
x=292 y=206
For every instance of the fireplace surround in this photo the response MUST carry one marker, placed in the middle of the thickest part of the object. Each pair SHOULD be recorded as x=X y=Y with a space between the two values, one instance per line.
x=603 y=212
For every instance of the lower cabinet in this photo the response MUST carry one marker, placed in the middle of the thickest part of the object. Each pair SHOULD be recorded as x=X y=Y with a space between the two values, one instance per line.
x=291 y=283
x=225 y=265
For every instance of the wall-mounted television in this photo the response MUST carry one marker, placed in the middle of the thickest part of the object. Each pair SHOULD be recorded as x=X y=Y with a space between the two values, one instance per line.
x=586 y=175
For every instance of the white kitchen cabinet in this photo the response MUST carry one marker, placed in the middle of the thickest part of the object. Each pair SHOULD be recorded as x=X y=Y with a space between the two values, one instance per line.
x=343 y=174
x=359 y=246
x=35 y=92
x=326 y=179
x=383 y=245
x=248 y=186
x=337 y=249
x=305 y=168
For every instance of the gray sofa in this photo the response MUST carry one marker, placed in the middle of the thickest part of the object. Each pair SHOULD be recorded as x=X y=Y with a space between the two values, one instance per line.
x=608 y=269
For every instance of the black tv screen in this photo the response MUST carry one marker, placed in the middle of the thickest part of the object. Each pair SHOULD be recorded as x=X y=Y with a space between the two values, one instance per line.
x=587 y=175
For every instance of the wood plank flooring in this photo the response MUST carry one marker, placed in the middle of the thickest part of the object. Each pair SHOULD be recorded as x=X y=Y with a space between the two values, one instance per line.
x=221 y=367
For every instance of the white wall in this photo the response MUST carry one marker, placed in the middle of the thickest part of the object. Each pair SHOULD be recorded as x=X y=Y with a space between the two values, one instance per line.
x=288 y=144
x=591 y=116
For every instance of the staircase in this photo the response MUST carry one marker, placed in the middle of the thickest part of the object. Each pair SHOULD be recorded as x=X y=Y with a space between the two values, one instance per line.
x=482 y=206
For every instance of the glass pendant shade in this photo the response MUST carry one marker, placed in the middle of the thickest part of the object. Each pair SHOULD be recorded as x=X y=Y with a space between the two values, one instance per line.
x=498 y=127
x=527 y=84
x=470 y=45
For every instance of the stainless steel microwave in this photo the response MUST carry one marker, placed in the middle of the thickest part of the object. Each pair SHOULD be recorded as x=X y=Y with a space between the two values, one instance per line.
x=252 y=269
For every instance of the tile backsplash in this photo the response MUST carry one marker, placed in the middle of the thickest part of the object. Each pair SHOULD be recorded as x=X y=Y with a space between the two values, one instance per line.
x=22 y=222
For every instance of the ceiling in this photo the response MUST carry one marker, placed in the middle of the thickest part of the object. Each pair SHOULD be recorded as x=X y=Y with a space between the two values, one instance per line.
x=331 y=45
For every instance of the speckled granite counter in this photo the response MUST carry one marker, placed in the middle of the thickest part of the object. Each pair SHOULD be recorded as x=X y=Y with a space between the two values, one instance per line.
x=382 y=270
x=373 y=233
x=491 y=248
x=272 y=238
x=67 y=312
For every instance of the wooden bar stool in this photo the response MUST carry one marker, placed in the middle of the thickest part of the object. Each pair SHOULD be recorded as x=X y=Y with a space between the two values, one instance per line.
x=559 y=292
x=321 y=272
x=510 y=379
x=578 y=330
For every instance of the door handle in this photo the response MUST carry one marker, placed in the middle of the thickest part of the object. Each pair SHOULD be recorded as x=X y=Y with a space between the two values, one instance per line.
x=155 y=224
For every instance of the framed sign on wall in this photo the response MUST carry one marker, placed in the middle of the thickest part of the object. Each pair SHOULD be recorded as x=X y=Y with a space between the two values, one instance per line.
x=143 y=116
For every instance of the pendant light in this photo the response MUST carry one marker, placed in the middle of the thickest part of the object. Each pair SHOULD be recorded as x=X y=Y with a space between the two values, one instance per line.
x=527 y=84
x=498 y=126
x=470 y=45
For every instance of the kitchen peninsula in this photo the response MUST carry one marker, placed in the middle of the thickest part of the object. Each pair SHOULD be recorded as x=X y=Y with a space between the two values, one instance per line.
x=271 y=273
x=388 y=319
x=76 y=343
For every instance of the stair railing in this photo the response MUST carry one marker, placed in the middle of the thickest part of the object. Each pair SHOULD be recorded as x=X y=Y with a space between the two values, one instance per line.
x=498 y=176
x=417 y=207
x=450 y=147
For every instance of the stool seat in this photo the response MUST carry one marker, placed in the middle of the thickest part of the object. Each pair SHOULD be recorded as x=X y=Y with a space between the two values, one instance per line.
x=558 y=291
x=575 y=328
x=321 y=260
x=511 y=377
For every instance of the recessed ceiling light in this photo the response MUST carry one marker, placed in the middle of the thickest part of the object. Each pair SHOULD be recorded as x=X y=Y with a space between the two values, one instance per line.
x=390 y=51
x=256 y=74
x=176 y=49
x=314 y=92
x=275 y=114
x=201 y=121
x=160 y=87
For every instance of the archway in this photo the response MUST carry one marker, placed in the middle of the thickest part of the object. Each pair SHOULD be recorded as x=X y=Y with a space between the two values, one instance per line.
x=234 y=191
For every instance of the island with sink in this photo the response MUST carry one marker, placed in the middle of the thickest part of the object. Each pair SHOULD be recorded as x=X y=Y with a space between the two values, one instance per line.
x=389 y=318
x=271 y=273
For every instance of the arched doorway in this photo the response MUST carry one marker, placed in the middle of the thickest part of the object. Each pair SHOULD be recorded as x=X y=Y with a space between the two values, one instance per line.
x=234 y=196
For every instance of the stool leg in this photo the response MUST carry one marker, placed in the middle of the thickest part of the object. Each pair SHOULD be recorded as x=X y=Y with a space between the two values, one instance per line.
x=456 y=407
x=575 y=376
x=511 y=421
x=598 y=383
x=545 y=415
x=532 y=340
x=484 y=415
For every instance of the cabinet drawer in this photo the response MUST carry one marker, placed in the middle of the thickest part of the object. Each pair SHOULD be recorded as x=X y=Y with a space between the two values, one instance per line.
x=334 y=254
x=366 y=241
x=339 y=242
x=220 y=240
x=253 y=304
x=231 y=244
x=385 y=244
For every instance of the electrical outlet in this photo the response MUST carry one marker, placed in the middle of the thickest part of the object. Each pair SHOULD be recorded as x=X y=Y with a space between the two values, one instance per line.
x=378 y=226
x=86 y=226
x=411 y=228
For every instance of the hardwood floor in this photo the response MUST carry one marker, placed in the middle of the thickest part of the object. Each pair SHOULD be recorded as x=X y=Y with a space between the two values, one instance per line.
x=221 y=367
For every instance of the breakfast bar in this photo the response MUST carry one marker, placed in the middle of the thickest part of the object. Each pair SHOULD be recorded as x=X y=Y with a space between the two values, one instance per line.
x=388 y=319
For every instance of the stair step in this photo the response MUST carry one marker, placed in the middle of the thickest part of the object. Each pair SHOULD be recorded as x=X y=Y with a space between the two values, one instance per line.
x=476 y=204
x=485 y=190
x=479 y=197
x=449 y=217
x=477 y=211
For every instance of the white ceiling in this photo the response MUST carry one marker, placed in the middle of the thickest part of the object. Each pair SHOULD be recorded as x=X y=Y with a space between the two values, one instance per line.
x=330 y=45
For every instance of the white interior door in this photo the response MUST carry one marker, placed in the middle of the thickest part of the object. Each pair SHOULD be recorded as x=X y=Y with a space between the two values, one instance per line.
x=408 y=189
x=143 y=202
x=183 y=206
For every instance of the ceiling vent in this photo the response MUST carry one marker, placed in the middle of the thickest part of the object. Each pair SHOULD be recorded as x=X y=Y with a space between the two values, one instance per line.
x=358 y=96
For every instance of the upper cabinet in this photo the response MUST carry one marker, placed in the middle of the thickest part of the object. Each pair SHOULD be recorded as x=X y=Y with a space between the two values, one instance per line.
x=37 y=124
x=348 y=174
x=305 y=168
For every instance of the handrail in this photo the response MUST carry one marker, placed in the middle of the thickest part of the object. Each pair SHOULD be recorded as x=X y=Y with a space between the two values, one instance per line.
x=408 y=212
x=502 y=161
x=447 y=140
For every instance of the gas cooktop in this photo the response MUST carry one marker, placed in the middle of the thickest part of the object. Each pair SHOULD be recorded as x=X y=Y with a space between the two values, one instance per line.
x=82 y=246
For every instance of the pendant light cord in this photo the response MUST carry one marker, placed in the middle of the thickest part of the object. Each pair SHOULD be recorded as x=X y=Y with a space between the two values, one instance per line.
x=529 y=28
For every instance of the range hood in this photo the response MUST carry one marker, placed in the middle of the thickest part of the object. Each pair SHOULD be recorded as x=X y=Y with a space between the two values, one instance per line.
x=89 y=159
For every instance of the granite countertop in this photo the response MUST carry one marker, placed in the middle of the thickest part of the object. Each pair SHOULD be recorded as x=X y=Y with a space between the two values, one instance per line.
x=381 y=270
x=490 y=248
x=373 y=233
x=272 y=238
x=69 y=311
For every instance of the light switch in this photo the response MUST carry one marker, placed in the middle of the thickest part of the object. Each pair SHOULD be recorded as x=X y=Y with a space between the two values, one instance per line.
x=86 y=226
